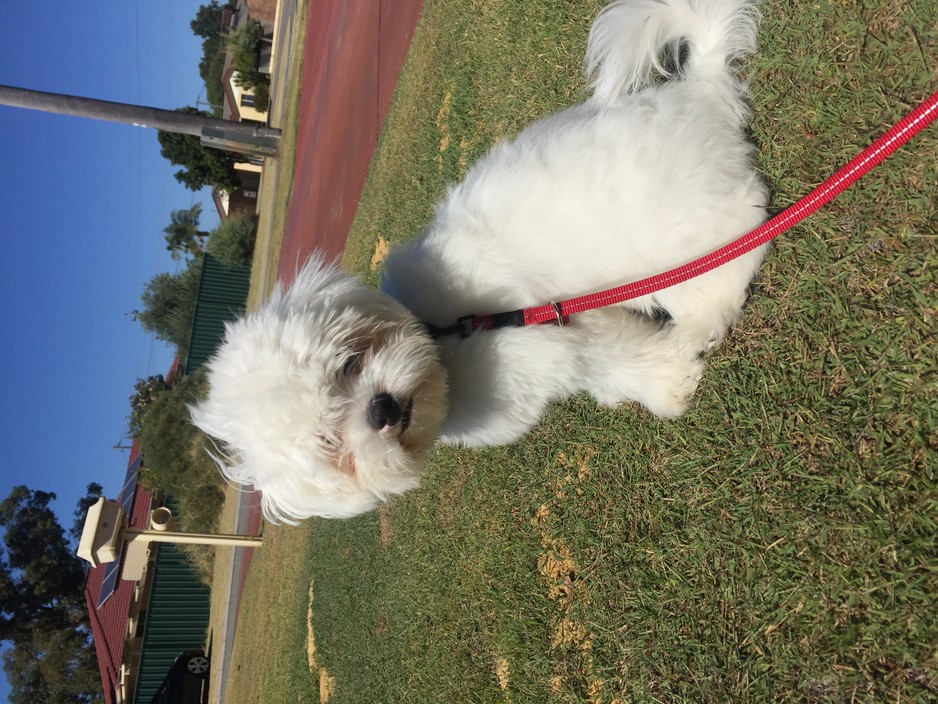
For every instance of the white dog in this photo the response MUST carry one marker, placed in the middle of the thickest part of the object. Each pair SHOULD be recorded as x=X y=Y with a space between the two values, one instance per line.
x=329 y=397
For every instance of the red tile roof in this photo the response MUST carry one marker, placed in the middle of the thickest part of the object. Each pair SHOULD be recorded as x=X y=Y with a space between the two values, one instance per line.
x=109 y=621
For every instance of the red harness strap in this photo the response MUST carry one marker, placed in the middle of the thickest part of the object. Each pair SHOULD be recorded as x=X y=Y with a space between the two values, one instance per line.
x=884 y=146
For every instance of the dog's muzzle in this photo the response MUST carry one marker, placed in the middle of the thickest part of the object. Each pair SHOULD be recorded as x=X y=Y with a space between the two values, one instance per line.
x=385 y=412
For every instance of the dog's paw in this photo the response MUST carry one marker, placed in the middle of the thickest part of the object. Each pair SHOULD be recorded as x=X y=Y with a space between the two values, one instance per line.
x=665 y=387
x=697 y=340
x=669 y=395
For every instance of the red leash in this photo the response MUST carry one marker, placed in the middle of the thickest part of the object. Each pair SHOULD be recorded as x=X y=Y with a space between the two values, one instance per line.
x=908 y=127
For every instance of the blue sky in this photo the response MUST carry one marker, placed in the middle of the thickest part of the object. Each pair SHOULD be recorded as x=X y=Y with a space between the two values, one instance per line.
x=83 y=207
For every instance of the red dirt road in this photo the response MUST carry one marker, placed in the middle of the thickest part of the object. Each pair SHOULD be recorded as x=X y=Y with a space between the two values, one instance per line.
x=352 y=59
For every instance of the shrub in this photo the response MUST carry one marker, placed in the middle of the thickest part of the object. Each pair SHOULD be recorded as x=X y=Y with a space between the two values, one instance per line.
x=145 y=390
x=232 y=242
x=262 y=94
x=245 y=47
x=175 y=455
x=169 y=305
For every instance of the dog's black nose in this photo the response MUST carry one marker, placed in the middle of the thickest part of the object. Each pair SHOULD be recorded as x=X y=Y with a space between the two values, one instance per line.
x=384 y=412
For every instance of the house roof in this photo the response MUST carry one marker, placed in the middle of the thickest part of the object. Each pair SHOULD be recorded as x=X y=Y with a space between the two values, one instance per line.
x=108 y=597
x=109 y=617
x=230 y=107
x=264 y=10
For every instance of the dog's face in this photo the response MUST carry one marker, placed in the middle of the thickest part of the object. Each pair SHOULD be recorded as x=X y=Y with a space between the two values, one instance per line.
x=327 y=399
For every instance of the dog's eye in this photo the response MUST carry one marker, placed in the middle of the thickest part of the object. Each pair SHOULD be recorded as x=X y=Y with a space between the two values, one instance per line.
x=353 y=365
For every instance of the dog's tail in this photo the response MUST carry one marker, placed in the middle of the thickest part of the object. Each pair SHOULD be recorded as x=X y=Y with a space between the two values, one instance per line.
x=630 y=37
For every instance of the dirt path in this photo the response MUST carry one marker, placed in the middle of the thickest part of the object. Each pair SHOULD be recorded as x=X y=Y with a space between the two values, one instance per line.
x=352 y=59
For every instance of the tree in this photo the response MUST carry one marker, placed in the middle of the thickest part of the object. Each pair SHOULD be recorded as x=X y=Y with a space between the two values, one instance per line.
x=42 y=579
x=232 y=242
x=183 y=235
x=176 y=458
x=211 y=69
x=169 y=305
x=57 y=667
x=204 y=166
x=92 y=493
x=207 y=22
x=43 y=619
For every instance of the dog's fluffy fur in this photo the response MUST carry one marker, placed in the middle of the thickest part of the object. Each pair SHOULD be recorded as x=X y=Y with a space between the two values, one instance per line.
x=330 y=396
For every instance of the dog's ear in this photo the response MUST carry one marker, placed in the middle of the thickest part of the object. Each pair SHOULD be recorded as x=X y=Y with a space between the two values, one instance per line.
x=315 y=277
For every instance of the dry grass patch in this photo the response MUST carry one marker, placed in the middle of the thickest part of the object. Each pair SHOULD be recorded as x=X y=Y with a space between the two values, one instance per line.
x=310 y=635
x=326 y=686
x=384 y=526
x=273 y=636
x=381 y=253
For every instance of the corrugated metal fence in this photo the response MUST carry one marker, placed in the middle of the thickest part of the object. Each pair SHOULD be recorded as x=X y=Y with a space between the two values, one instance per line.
x=176 y=618
x=221 y=297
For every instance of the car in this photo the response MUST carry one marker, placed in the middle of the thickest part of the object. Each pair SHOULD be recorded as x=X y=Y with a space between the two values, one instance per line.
x=185 y=680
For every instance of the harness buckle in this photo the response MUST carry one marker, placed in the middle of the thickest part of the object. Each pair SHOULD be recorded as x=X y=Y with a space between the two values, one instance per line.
x=464 y=326
x=558 y=313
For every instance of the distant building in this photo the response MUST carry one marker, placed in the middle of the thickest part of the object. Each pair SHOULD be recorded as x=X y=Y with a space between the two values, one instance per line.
x=239 y=102
x=263 y=10
x=140 y=627
x=239 y=106
x=242 y=199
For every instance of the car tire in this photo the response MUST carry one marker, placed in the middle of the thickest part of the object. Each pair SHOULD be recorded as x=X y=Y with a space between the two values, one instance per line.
x=198 y=665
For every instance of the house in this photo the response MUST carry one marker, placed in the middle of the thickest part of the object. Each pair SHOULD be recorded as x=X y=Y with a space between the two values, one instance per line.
x=115 y=605
x=239 y=106
x=263 y=10
x=239 y=102
x=243 y=199
x=139 y=627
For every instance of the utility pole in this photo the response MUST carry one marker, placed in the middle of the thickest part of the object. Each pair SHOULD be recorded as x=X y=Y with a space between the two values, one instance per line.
x=242 y=137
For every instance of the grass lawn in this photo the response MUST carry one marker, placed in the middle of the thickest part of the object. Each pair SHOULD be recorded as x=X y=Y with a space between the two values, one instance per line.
x=778 y=543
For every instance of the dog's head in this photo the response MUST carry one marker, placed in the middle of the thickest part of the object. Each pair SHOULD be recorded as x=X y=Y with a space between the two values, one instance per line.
x=327 y=399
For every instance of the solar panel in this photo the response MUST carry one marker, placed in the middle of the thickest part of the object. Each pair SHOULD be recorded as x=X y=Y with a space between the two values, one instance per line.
x=126 y=499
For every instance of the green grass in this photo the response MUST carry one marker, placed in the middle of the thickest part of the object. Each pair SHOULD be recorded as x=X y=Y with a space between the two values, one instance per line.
x=269 y=661
x=778 y=543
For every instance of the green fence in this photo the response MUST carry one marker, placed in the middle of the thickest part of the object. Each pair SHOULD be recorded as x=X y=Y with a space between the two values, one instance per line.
x=176 y=618
x=222 y=295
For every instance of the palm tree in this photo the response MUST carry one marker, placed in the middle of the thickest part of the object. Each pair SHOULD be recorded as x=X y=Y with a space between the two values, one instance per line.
x=183 y=235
